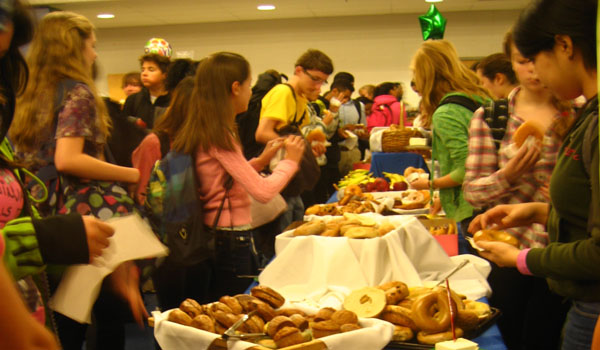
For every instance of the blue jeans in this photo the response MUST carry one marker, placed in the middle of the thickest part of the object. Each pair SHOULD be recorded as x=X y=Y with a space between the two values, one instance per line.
x=294 y=212
x=579 y=328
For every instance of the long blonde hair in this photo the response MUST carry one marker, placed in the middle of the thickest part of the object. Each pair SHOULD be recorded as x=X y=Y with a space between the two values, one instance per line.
x=211 y=115
x=56 y=53
x=438 y=71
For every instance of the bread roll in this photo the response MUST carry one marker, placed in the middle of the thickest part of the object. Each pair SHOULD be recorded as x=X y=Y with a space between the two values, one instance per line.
x=529 y=128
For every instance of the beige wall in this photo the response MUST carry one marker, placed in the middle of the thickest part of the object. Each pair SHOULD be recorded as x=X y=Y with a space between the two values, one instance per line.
x=373 y=48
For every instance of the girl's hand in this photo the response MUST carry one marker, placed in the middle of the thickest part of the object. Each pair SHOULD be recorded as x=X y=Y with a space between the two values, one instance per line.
x=318 y=149
x=294 y=147
x=510 y=215
x=271 y=149
x=521 y=163
x=125 y=282
x=97 y=233
x=503 y=254
x=436 y=207
x=420 y=184
x=134 y=175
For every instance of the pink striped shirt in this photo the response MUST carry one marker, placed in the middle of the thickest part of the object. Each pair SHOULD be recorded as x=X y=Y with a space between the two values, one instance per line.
x=211 y=168
x=485 y=186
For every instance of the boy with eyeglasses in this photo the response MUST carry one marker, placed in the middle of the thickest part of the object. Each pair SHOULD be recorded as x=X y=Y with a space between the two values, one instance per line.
x=286 y=104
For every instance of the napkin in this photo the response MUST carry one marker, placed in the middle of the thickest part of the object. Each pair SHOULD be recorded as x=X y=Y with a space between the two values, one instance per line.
x=79 y=287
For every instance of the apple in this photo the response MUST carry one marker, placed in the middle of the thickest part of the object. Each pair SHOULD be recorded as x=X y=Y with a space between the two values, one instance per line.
x=370 y=187
x=381 y=184
x=400 y=186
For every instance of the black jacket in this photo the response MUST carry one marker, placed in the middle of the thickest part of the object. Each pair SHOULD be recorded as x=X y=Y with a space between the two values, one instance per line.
x=136 y=106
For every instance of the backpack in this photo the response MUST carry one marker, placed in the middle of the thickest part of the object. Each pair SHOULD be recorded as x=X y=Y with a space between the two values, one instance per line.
x=309 y=171
x=380 y=116
x=248 y=121
x=174 y=210
x=495 y=114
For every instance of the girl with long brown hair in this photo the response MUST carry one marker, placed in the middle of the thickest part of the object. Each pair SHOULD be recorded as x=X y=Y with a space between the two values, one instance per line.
x=68 y=132
x=209 y=132
x=61 y=124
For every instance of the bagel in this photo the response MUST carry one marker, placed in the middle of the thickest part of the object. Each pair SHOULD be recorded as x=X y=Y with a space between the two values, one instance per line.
x=433 y=338
x=467 y=319
x=399 y=316
x=395 y=295
x=316 y=134
x=498 y=236
x=409 y=170
x=402 y=333
x=315 y=227
x=431 y=312
x=528 y=128
x=366 y=302
x=482 y=310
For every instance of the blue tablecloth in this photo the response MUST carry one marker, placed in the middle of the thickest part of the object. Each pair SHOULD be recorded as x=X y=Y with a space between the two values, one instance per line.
x=395 y=162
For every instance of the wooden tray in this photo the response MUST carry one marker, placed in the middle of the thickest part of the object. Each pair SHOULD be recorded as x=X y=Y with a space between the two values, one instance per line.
x=474 y=333
x=315 y=344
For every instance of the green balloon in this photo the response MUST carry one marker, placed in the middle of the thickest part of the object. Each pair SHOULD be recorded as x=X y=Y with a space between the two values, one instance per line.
x=433 y=24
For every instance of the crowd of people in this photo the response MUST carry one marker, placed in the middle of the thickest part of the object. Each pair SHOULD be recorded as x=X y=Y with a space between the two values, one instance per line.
x=71 y=159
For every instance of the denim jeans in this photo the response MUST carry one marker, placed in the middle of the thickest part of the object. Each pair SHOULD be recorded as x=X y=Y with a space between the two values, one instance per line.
x=236 y=262
x=579 y=328
x=294 y=212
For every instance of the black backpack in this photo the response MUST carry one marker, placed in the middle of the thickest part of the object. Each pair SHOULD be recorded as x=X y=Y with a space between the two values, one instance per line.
x=248 y=121
x=496 y=114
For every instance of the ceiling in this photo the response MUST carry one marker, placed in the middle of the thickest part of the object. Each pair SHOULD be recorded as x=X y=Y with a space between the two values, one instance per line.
x=163 y=12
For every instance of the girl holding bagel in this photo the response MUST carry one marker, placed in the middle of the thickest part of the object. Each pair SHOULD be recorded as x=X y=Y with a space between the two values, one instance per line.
x=509 y=175
x=559 y=37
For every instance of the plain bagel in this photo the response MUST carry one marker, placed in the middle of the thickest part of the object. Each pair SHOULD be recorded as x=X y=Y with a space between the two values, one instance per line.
x=495 y=235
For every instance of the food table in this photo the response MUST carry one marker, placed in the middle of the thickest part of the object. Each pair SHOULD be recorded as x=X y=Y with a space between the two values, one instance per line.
x=315 y=271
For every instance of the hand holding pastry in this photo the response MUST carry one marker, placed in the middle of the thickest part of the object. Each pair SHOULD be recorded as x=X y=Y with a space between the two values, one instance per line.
x=504 y=255
x=511 y=215
x=294 y=147
x=271 y=149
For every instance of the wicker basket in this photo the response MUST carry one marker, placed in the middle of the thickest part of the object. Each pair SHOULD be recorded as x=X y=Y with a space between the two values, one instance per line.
x=396 y=140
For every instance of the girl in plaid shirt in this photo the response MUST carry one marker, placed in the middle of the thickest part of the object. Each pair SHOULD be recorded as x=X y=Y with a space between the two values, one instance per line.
x=492 y=177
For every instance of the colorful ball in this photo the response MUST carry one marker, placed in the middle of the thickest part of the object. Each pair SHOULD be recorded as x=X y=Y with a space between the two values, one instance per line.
x=158 y=46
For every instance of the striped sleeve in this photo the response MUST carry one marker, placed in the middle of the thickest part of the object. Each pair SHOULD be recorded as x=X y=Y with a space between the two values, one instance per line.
x=483 y=183
x=22 y=256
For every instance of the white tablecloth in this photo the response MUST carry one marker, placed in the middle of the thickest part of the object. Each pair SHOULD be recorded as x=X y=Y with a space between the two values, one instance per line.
x=310 y=265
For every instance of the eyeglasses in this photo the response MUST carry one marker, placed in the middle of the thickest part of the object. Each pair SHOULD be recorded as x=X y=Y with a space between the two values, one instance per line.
x=313 y=78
